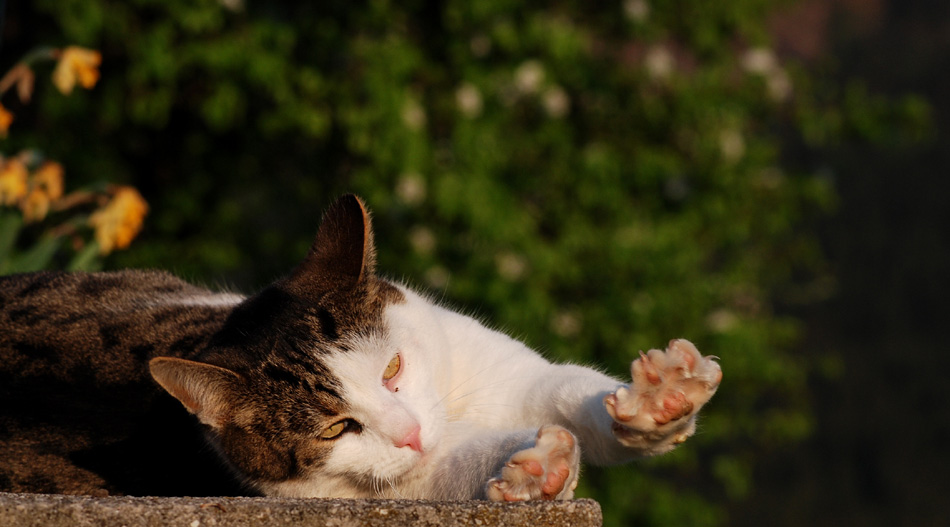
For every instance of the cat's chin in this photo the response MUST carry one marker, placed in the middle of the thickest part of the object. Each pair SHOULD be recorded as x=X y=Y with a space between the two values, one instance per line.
x=423 y=460
x=397 y=483
x=415 y=463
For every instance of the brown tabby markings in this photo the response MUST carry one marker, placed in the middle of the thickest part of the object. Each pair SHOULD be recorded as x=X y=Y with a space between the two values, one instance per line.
x=274 y=437
x=76 y=394
x=72 y=375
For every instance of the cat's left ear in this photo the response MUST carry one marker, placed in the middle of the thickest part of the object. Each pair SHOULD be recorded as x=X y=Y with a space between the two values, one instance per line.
x=343 y=254
x=205 y=390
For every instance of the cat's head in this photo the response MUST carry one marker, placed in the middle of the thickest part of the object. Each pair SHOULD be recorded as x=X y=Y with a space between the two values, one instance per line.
x=308 y=389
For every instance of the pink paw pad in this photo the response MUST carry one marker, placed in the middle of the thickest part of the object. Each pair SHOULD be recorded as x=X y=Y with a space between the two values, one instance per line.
x=675 y=406
x=547 y=470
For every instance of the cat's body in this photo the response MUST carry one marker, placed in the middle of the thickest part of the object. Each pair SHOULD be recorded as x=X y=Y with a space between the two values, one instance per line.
x=77 y=405
x=331 y=382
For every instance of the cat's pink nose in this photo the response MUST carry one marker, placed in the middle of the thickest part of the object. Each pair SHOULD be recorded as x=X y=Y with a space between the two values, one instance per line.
x=411 y=440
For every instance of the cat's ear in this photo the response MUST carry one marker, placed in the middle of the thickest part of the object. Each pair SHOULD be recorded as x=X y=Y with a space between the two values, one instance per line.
x=205 y=390
x=343 y=254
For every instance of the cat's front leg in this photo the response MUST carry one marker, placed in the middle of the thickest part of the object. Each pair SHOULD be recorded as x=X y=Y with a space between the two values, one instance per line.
x=547 y=470
x=658 y=411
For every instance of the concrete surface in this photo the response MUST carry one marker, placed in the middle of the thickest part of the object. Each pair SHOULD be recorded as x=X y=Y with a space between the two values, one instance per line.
x=44 y=510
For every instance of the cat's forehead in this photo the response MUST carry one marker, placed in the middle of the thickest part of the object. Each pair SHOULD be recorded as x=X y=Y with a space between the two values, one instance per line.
x=344 y=315
x=361 y=356
x=317 y=351
x=308 y=383
x=277 y=315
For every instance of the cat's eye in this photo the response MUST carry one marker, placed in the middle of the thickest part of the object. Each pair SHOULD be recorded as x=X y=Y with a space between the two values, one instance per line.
x=393 y=368
x=333 y=431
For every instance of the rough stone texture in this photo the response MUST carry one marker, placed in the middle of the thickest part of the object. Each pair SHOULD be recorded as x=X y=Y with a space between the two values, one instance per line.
x=43 y=510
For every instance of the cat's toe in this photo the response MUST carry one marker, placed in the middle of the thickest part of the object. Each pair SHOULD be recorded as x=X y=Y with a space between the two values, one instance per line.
x=548 y=470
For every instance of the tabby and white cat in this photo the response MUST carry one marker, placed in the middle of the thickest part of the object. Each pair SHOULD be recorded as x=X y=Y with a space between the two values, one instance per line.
x=331 y=382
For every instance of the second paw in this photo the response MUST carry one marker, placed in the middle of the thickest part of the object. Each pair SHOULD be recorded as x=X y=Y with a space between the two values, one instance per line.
x=548 y=470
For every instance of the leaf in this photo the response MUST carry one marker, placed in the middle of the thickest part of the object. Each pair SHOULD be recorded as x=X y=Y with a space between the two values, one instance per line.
x=87 y=259
x=37 y=257
x=10 y=223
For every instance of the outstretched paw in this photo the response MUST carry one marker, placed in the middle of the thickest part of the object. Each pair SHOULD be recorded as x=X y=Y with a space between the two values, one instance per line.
x=548 y=470
x=658 y=411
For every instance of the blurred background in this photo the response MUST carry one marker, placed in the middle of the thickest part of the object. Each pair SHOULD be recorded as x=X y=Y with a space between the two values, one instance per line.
x=767 y=179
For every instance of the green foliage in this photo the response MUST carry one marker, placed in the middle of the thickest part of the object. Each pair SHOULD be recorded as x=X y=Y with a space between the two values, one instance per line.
x=44 y=252
x=596 y=178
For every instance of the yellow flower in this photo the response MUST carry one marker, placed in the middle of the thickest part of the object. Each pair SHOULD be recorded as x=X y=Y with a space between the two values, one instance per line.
x=45 y=187
x=49 y=178
x=35 y=205
x=120 y=220
x=6 y=119
x=76 y=63
x=12 y=181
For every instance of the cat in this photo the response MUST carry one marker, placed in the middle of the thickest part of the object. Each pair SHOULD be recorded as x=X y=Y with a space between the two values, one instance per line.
x=331 y=382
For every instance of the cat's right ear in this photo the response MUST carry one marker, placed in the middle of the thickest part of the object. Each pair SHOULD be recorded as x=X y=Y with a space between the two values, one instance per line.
x=205 y=390
x=343 y=254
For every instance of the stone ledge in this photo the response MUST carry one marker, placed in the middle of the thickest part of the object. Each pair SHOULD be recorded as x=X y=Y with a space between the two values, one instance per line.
x=45 y=510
